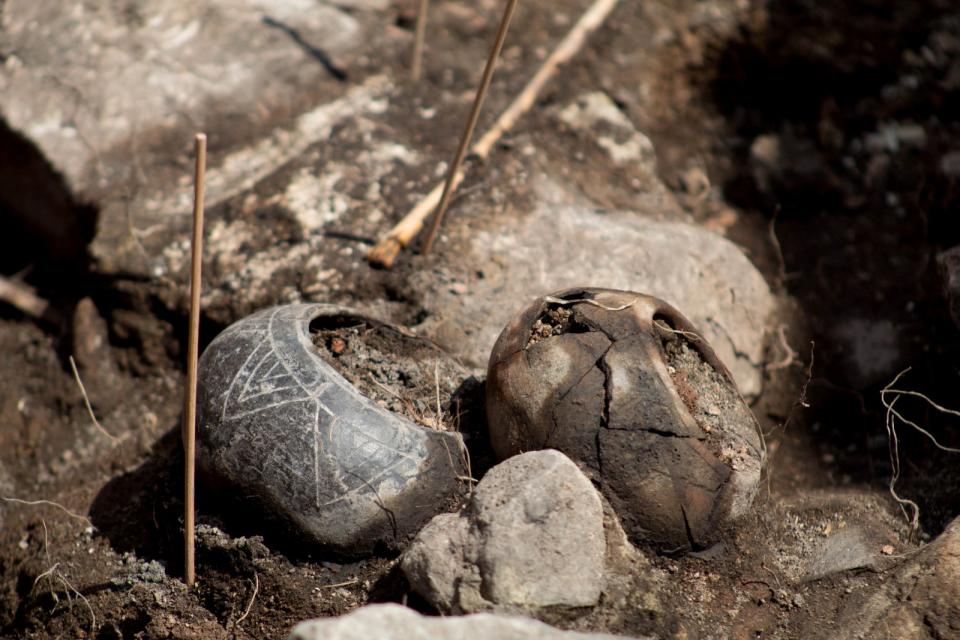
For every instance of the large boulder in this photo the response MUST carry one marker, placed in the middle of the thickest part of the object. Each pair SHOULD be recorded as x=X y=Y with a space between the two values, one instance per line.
x=109 y=120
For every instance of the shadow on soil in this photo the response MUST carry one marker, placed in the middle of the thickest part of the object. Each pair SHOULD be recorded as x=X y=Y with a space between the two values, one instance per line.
x=811 y=100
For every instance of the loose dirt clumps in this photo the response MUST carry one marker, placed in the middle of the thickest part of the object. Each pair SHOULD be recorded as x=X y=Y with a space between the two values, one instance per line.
x=554 y=321
x=710 y=398
x=400 y=372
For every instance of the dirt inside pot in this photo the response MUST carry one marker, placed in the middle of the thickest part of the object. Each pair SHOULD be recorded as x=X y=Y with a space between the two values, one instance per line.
x=556 y=320
x=709 y=396
x=402 y=373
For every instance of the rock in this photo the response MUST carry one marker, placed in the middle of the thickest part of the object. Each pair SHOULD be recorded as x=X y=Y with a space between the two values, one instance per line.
x=921 y=599
x=620 y=382
x=565 y=243
x=819 y=534
x=109 y=123
x=695 y=182
x=846 y=549
x=532 y=536
x=280 y=425
x=892 y=136
x=150 y=237
x=784 y=163
x=596 y=114
x=95 y=364
x=395 y=622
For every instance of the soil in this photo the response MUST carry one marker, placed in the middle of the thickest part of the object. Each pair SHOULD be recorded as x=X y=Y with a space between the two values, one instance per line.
x=555 y=321
x=400 y=372
x=712 y=401
x=812 y=134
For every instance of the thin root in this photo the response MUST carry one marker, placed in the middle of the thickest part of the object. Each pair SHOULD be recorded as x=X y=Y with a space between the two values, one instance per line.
x=346 y=583
x=789 y=355
x=891 y=424
x=34 y=503
x=256 y=588
x=689 y=335
x=70 y=588
x=562 y=302
x=86 y=402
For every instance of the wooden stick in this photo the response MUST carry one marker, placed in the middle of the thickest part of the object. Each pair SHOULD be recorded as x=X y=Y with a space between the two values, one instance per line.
x=190 y=412
x=23 y=297
x=385 y=252
x=454 y=171
x=420 y=35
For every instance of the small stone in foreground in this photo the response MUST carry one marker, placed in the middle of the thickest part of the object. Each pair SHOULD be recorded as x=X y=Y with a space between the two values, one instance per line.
x=531 y=537
x=394 y=622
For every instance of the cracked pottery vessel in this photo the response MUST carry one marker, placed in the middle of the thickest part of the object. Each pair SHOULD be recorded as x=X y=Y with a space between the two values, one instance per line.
x=280 y=427
x=623 y=384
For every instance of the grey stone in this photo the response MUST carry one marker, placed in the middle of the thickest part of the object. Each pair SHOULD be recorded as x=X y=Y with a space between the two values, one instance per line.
x=283 y=427
x=950 y=164
x=531 y=537
x=872 y=349
x=781 y=162
x=619 y=381
x=817 y=534
x=564 y=243
x=146 y=67
x=919 y=599
x=394 y=622
x=597 y=115
x=110 y=119
x=892 y=136
x=847 y=549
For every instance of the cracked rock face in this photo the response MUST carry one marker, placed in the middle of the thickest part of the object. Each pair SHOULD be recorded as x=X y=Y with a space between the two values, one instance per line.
x=623 y=384
x=281 y=427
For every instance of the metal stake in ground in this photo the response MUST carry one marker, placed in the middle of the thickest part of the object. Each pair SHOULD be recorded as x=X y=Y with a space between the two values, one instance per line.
x=471 y=125
x=416 y=62
x=190 y=410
